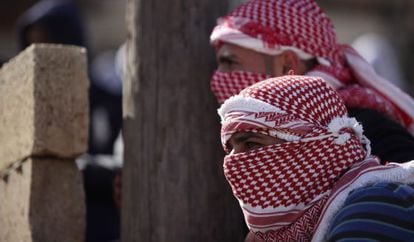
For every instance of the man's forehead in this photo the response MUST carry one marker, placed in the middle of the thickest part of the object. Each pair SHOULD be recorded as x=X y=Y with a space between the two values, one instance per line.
x=228 y=49
x=225 y=49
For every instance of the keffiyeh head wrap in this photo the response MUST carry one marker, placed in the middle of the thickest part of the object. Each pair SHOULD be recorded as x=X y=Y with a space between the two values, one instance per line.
x=282 y=187
x=274 y=26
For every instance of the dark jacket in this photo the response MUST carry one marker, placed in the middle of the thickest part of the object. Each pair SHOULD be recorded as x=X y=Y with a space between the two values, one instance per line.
x=389 y=141
x=61 y=20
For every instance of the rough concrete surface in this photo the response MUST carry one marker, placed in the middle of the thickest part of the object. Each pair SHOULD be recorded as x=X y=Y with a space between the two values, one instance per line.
x=44 y=103
x=15 y=205
x=43 y=202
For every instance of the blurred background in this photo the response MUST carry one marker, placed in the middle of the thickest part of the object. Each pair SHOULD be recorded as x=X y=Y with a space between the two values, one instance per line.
x=381 y=30
x=104 y=22
x=98 y=25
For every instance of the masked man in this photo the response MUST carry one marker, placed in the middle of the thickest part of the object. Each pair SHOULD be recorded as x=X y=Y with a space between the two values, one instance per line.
x=267 y=38
x=301 y=168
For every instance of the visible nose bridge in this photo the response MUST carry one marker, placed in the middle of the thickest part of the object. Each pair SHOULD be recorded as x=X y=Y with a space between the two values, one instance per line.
x=238 y=148
x=223 y=68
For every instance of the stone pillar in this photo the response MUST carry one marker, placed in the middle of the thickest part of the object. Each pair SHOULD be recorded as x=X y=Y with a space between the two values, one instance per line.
x=173 y=183
x=44 y=120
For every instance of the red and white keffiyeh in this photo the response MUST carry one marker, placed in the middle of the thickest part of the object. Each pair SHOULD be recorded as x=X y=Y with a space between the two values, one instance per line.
x=225 y=85
x=274 y=26
x=281 y=187
x=291 y=191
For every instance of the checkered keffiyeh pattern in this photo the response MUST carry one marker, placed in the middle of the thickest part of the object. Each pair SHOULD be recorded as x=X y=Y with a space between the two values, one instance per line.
x=283 y=93
x=279 y=184
x=278 y=24
x=274 y=26
x=356 y=96
x=225 y=85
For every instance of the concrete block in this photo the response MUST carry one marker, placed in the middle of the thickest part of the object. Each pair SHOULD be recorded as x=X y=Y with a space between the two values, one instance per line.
x=44 y=103
x=43 y=201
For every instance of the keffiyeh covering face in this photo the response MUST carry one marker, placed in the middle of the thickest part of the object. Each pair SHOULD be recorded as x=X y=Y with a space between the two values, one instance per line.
x=274 y=26
x=282 y=187
x=225 y=85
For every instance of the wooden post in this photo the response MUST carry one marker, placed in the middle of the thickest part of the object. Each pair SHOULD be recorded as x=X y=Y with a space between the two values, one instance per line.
x=173 y=183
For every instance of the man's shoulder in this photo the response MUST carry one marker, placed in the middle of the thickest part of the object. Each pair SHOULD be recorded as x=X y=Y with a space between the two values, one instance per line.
x=389 y=140
x=382 y=211
x=383 y=192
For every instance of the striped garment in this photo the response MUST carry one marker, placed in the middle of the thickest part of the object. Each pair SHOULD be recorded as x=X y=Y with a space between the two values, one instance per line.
x=382 y=211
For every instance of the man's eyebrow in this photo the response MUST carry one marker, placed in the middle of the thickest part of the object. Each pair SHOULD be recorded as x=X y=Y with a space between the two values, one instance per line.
x=227 y=58
x=239 y=138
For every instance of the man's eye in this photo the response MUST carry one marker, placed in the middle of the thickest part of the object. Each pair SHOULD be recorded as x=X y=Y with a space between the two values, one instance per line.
x=229 y=148
x=252 y=145
x=227 y=63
